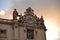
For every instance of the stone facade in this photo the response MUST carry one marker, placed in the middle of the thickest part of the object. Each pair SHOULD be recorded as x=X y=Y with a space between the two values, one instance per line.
x=27 y=27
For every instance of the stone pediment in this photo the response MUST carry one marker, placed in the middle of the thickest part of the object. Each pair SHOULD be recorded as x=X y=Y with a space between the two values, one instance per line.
x=29 y=18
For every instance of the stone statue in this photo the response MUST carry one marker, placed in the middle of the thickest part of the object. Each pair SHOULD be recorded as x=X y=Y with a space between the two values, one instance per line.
x=15 y=14
x=42 y=20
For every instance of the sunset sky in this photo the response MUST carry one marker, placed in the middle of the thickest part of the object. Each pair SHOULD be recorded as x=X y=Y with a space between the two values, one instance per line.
x=50 y=9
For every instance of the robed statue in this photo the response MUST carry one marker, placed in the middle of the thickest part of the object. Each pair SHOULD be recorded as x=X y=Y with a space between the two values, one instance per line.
x=15 y=14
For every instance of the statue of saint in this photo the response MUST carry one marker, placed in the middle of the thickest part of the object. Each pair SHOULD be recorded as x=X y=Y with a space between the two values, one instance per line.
x=15 y=14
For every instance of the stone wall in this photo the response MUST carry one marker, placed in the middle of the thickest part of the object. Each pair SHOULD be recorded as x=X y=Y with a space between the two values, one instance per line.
x=9 y=31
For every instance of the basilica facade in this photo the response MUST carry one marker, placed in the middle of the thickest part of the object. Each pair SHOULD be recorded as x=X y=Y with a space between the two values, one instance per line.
x=27 y=27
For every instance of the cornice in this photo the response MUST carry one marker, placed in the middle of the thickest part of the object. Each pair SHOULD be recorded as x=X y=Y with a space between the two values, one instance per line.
x=6 y=21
